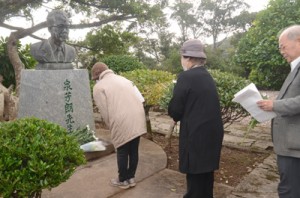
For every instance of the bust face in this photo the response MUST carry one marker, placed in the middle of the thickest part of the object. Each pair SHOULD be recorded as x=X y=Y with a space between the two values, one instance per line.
x=60 y=29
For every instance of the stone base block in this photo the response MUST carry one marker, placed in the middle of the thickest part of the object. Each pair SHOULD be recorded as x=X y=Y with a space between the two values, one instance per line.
x=59 y=96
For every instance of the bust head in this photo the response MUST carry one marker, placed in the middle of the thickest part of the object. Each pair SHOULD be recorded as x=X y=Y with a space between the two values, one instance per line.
x=58 y=25
x=53 y=53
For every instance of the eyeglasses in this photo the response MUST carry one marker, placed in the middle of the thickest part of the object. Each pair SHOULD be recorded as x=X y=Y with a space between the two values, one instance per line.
x=61 y=26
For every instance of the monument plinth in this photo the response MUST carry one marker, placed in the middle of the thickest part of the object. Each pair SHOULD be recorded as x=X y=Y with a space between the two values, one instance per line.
x=59 y=96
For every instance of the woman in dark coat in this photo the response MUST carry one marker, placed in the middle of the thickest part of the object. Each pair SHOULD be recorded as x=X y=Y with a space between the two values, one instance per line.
x=195 y=104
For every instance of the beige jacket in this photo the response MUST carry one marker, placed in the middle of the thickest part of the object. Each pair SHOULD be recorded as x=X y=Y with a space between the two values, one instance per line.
x=120 y=107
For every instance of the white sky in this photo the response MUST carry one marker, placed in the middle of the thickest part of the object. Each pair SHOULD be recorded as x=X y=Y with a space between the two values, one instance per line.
x=257 y=5
x=80 y=34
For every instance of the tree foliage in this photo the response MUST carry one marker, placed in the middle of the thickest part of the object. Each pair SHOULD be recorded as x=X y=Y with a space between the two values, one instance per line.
x=210 y=18
x=258 y=50
x=18 y=8
x=102 y=12
x=183 y=12
x=122 y=63
x=109 y=40
x=172 y=62
x=218 y=16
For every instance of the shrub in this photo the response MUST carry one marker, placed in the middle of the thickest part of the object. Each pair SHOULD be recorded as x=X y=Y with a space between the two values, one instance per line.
x=122 y=63
x=227 y=85
x=34 y=155
x=166 y=97
x=151 y=83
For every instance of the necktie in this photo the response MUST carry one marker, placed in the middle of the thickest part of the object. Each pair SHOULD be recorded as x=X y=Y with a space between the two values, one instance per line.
x=60 y=54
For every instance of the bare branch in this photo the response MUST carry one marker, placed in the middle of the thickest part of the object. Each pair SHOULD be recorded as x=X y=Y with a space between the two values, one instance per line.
x=25 y=32
x=99 y=23
x=10 y=27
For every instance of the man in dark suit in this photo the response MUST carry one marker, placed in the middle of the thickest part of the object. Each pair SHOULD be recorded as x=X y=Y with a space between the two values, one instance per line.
x=286 y=126
x=53 y=53
x=195 y=103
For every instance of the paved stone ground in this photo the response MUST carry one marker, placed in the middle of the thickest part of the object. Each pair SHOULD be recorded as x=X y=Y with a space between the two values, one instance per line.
x=154 y=180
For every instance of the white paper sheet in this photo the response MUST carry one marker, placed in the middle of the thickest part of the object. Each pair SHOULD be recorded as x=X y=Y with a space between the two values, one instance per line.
x=248 y=97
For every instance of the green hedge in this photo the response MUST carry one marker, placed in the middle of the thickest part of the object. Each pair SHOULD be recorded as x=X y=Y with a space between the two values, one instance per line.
x=35 y=155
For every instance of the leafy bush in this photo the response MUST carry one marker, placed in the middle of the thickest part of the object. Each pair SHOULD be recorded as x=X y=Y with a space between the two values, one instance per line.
x=122 y=63
x=34 y=155
x=227 y=85
x=167 y=96
x=151 y=83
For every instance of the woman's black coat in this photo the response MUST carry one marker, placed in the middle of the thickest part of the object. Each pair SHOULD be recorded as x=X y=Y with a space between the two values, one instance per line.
x=195 y=104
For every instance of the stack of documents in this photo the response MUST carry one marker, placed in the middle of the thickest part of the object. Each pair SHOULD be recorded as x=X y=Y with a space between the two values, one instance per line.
x=248 y=97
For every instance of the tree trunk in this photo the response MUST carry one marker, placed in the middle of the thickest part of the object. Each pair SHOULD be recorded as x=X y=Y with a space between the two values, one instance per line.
x=14 y=58
x=12 y=49
x=148 y=122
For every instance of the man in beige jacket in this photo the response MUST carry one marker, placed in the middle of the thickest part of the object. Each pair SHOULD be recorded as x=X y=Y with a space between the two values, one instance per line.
x=123 y=112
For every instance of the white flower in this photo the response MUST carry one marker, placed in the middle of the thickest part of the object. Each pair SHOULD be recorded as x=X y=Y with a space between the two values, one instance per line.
x=264 y=95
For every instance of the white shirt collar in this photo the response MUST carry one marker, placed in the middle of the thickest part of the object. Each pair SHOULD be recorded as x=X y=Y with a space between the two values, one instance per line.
x=294 y=63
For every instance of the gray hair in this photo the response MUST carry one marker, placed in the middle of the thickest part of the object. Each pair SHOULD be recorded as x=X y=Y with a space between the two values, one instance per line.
x=292 y=32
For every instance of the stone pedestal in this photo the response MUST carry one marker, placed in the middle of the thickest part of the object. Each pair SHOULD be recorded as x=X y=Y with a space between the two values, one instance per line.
x=59 y=96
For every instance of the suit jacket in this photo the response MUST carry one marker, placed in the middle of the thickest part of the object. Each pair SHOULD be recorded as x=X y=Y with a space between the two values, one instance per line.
x=43 y=52
x=286 y=126
x=195 y=103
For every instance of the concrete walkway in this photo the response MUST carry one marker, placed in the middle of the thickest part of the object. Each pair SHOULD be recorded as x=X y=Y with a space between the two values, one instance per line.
x=155 y=181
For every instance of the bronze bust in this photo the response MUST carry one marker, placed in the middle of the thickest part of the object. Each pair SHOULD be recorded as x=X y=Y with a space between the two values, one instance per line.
x=54 y=53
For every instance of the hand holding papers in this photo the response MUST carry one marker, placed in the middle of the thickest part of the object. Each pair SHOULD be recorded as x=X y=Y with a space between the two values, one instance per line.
x=248 y=97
